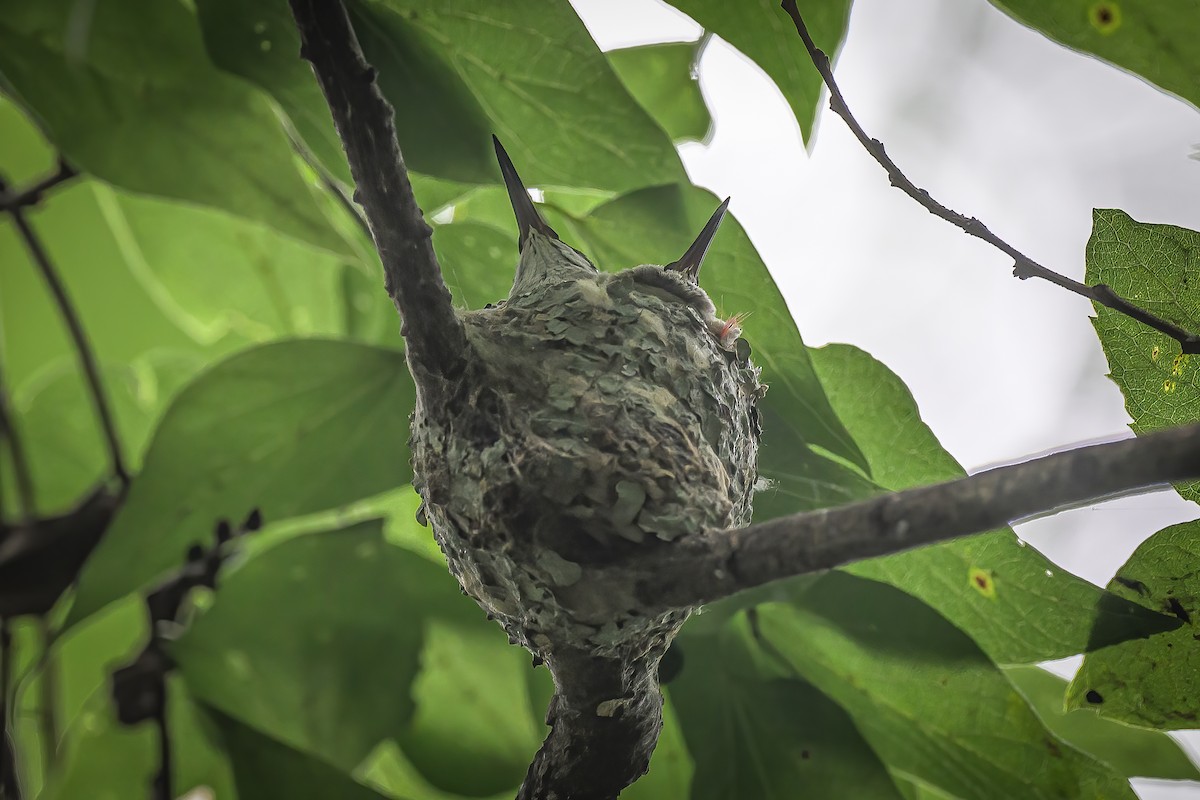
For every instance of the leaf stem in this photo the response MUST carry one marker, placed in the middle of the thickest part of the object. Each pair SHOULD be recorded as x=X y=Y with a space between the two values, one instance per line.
x=1024 y=267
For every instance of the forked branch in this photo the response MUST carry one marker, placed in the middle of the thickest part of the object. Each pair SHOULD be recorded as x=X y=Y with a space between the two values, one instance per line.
x=1023 y=266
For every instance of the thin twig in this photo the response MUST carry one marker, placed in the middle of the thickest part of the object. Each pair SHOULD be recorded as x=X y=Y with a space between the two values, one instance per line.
x=705 y=568
x=83 y=348
x=16 y=452
x=32 y=195
x=48 y=716
x=436 y=342
x=1023 y=266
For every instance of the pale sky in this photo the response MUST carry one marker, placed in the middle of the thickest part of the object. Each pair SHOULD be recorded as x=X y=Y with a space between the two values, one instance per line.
x=999 y=123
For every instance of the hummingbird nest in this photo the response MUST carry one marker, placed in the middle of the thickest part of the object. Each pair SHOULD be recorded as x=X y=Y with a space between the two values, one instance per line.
x=600 y=415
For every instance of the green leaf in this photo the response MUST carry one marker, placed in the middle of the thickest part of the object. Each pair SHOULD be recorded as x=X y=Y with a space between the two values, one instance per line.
x=1133 y=752
x=1151 y=682
x=266 y=769
x=655 y=226
x=61 y=433
x=764 y=33
x=671 y=767
x=150 y=114
x=547 y=90
x=478 y=262
x=988 y=585
x=106 y=760
x=1156 y=41
x=660 y=77
x=213 y=273
x=1153 y=266
x=472 y=708
x=926 y=698
x=754 y=731
x=306 y=638
x=290 y=428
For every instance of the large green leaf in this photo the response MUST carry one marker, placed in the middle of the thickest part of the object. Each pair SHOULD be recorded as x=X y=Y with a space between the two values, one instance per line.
x=66 y=448
x=754 y=730
x=1152 y=682
x=290 y=428
x=1134 y=752
x=655 y=226
x=267 y=769
x=926 y=698
x=989 y=585
x=150 y=114
x=1155 y=266
x=121 y=319
x=315 y=642
x=1154 y=40
x=108 y=761
x=213 y=273
x=662 y=78
x=547 y=91
x=765 y=34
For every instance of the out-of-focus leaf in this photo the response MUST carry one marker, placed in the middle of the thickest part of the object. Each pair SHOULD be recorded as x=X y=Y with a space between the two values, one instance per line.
x=477 y=260
x=266 y=769
x=121 y=320
x=213 y=273
x=315 y=642
x=67 y=452
x=989 y=585
x=154 y=117
x=1151 y=682
x=1134 y=752
x=107 y=761
x=655 y=226
x=661 y=77
x=290 y=428
x=754 y=730
x=1157 y=267
x=1155 y=41
x=671 y=767
x=472 y=707
x=765 y=34
x=925 y=697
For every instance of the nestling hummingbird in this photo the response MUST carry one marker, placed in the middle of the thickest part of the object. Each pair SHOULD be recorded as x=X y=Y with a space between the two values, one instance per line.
x=600 y=414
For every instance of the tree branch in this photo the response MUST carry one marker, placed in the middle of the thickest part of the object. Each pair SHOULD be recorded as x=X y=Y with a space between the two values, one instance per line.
x=709 y=567
x=15 y=206
x=1023 y=266
x=365 y=123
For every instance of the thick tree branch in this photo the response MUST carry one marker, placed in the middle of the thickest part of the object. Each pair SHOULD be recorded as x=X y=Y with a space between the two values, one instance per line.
x=706 y=568
x=365 y=123
x=1023 y=266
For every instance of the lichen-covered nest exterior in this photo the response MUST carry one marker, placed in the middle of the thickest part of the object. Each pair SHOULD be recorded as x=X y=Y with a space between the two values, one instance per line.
x=601 y=414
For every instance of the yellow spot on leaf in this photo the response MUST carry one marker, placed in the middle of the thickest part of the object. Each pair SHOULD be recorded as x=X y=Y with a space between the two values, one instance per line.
x=983 y=582
x=1168 y=386
x=1177 y=365
x=1154 y=353
x=1105 y=16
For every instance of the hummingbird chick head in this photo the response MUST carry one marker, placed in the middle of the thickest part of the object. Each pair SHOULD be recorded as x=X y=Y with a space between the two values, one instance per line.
x=602 y=414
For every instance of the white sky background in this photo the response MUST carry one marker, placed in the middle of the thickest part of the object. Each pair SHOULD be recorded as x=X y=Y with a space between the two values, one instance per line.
x=999 y=123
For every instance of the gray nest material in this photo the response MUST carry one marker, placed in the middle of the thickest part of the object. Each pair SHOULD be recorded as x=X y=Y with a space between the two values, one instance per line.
x=600 y=415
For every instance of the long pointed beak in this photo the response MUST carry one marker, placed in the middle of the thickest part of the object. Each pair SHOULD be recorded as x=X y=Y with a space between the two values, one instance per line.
x=528 y=217
x=689 y=264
